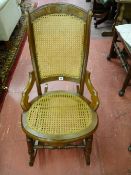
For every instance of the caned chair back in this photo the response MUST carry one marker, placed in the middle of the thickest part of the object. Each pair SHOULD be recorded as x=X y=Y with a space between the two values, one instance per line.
x=59 y=42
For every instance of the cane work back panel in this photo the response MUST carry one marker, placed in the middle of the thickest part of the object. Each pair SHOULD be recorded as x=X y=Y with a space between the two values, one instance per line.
x=59 y=42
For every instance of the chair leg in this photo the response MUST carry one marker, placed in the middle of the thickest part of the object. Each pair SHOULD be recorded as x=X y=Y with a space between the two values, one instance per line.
x=126 y=83
x=103 y=19
x=112 y=49
x=31 y=152
x=88 y=149
x=129 y=148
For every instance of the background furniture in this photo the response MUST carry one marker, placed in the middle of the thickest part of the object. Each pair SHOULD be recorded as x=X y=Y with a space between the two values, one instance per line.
x=59 y=47
x=10 y=14
x=116 y=50
x=103 y=10
x=123 y=12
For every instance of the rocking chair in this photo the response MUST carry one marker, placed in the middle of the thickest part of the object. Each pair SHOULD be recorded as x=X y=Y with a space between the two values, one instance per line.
x=59 y=36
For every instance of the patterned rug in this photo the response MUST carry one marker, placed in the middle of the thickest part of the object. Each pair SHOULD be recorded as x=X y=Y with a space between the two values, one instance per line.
x=9 y=55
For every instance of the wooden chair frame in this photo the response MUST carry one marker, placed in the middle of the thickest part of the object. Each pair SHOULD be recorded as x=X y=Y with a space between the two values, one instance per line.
x=32 y=141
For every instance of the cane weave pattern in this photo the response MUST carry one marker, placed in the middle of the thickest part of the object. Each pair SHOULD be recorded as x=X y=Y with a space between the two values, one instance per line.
x=59 y=113
x=59 y=42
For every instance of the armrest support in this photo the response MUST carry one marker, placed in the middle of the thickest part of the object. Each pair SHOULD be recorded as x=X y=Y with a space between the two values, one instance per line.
x=94 y=95
x=25 y=94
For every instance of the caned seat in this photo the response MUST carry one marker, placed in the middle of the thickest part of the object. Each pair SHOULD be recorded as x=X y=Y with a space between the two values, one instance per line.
x=60 y=113
x=59 y=36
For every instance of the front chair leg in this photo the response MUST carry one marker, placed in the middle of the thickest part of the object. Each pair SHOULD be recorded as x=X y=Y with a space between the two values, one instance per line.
x=30 y=144
x=88 y=148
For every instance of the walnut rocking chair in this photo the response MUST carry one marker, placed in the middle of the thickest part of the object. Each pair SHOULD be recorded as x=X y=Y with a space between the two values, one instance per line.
x=59 y=36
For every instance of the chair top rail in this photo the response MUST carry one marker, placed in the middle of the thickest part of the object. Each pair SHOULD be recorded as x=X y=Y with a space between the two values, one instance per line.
x=59 y=8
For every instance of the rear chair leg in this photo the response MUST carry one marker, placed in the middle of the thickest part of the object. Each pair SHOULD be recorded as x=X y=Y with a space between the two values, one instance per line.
x=31 y=152
x=126 y=83
x=88 y=148
x=112 y=49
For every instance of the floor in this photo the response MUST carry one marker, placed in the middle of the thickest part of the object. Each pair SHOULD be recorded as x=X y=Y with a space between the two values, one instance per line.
x=110 y=154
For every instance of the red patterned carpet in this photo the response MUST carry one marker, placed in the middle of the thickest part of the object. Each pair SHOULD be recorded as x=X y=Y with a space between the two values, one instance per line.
x=109 y=155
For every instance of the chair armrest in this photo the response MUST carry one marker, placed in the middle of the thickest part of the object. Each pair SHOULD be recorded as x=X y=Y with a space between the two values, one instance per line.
x=94 y=95
x=25 y=94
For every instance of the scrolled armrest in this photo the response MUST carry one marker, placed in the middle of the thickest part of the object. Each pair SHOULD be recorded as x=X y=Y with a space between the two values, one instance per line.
x=94 y=95
x=25 y=94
